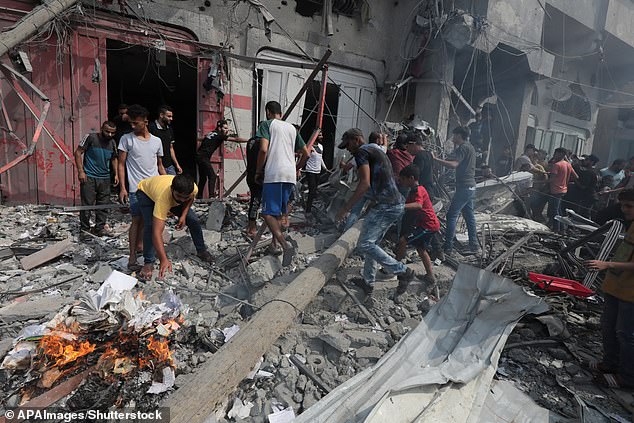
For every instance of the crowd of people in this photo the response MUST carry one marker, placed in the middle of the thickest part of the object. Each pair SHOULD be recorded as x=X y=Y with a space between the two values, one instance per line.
x=566 y=181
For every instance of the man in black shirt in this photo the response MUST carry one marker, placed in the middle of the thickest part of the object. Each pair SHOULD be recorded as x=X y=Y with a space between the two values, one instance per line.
x=122 y=122
x=253 y=150
x=162 y=128
x=206 y=147
x=423 y=160
x=463 y=159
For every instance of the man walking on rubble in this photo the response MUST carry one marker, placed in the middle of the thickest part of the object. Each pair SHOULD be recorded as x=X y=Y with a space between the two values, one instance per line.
x=277 y=171
x=205 y=149
x=139 y=158
x=93 y=158
x=376 y=180
x=463 y=160
x=158 y=197
x=162 y=128
x=617 y=322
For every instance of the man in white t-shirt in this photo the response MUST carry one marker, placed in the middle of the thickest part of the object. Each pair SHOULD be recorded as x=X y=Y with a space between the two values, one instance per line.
x=140 y=157
x=277 y=171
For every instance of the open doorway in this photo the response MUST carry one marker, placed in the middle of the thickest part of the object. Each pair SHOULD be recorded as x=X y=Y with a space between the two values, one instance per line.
x=140 y=75
x=329 y=123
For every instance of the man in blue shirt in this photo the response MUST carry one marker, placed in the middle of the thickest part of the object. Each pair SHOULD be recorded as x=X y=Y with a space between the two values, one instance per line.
x=377 y=182
x=95 y=157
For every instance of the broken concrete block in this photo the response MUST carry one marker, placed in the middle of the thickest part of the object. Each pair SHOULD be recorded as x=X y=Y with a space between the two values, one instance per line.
x=336 y=340
x=33 y=308
x=360 y=338
x=212 y=238
x=372 y=353
x=263 y=270
x=308 y=245
x=47 y=254
x=101 y=274
x=188 y=270
x=216 y=215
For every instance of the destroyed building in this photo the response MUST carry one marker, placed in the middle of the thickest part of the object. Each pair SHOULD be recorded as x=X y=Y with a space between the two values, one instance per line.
x=245 y=339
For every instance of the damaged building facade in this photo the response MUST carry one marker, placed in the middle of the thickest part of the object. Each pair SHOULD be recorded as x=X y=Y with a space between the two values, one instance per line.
x=550 y=76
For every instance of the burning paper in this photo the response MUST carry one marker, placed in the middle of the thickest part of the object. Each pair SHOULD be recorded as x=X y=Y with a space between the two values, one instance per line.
x=168 y=381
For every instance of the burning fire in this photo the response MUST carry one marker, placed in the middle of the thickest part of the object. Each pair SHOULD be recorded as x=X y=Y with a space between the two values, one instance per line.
x=63 y=350
x=159 y=349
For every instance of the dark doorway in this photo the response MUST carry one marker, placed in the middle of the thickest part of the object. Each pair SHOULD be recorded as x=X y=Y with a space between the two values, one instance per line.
x=329 y=123
x=142 y=75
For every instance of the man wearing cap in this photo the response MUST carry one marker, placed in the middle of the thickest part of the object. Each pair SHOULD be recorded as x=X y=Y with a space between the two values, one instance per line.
x=377 y=181
x=277 y=171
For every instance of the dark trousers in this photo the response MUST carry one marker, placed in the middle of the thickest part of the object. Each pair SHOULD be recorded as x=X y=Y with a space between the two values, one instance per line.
x=206 y=175
x=313 y=181
x=256 y=199
x=93 y=192
x=617 y=327
x=146 y=205
x=554 y=209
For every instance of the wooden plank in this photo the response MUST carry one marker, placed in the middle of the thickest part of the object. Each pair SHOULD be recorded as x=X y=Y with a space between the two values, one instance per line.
x=221 y=374
x=46 y=255
x=96 y=207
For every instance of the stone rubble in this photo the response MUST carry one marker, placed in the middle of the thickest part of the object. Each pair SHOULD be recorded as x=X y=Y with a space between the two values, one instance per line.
x=333 y=338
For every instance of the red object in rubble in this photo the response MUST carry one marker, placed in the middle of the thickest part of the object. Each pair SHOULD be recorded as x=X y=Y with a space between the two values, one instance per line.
x=552 y=283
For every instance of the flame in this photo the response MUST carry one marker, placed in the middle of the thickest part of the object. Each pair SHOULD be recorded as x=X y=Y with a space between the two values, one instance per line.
x=159 y=350
x=64 y=351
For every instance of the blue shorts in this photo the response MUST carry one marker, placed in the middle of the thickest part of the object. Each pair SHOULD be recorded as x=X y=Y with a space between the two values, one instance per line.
x=135 y=210
x=275 y=197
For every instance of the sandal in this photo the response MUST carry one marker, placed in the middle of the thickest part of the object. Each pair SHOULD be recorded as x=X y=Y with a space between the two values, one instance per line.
x=612 y=381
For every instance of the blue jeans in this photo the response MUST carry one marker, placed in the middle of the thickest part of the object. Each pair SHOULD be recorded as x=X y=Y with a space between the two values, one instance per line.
x=377 y=222
x=134 y=204
x=147 y=210
x=554 y=209
x=462 y=201
x=171 y=170
x=617 y=328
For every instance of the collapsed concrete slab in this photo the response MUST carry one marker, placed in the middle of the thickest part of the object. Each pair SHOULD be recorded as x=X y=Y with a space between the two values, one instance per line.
x=263 y=270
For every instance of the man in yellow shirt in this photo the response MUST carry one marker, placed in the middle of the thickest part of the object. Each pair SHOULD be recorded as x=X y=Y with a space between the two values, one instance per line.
x=158 y=196
x=617 y=322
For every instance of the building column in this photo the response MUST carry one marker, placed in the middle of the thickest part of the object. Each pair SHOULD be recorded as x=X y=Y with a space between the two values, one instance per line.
x=433 y=98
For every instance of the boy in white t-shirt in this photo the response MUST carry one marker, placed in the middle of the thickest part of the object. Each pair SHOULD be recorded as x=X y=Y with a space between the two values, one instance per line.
x=140 y=157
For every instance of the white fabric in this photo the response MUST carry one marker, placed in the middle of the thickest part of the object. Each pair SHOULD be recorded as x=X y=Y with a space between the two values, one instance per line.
x=280 y=159
x=141 y=162
x=313 y=164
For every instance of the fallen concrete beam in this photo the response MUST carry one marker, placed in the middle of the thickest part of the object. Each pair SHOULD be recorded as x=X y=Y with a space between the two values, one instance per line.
x=32 y=22
x=45 y=255
x=96 y=207
x=220 y=376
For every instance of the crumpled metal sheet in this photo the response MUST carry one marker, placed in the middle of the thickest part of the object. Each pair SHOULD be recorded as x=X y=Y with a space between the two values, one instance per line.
x=442 y=370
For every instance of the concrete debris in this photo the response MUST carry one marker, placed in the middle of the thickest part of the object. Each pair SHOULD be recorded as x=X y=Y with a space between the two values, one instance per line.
x=263 y=270
x=340 y=335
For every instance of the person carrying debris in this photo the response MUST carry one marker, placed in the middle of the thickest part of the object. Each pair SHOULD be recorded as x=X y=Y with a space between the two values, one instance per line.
x=162 y=128
x=617 y=321
x=463 y=160
x=420 y=224
x=205 y=148
x=376 y=179
x=93 y=158
x=158 y=197
x=277 y=171
x=139 y=158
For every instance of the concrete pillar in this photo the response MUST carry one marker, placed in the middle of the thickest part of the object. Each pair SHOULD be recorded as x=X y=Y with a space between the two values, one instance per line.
x=522 y=123
x=433 y=99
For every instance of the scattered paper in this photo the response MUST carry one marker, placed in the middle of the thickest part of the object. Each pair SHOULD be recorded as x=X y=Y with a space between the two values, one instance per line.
x=230 y=332
x=285 y=416
x=168 y=381
x=117 y=281
x=240 y=409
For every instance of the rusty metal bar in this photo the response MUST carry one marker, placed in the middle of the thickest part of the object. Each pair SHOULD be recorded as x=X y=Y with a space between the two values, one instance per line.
x=11 y=74
x=309 y=80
